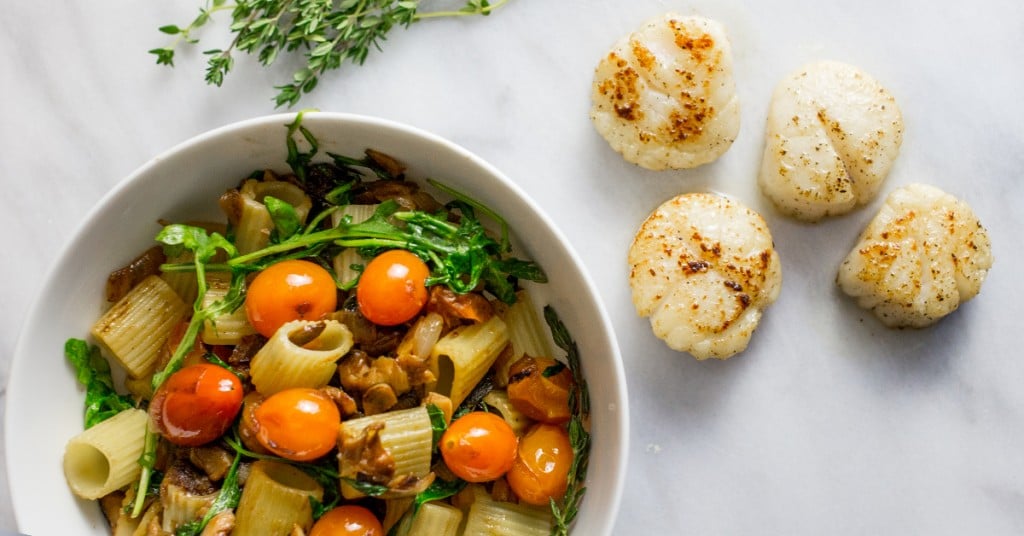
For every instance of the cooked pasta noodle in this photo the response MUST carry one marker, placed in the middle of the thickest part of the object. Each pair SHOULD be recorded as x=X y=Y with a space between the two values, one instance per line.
x=254 y=222
x=137 y=326
x=406 y=436
x=434 y=519
x=461 y=358
x=228 y=328
x=180 y=506
x=282 y=364
x=275 y=498
x=493 y=518
x=104 y=458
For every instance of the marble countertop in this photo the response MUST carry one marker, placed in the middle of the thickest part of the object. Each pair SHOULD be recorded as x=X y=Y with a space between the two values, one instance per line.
x=828 y=423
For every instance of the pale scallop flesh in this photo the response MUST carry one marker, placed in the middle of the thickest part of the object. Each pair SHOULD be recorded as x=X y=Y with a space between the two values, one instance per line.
x=664 y=96
x=703 y=268
x=831 y=137
x=923 y=255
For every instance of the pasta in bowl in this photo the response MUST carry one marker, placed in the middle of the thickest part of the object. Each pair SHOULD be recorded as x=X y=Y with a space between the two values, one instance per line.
x=252 y=405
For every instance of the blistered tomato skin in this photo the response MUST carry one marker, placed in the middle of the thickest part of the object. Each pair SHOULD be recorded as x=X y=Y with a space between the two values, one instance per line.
x=541 y=469
x=392 y=288
x=289 y=290
x=196 y=405
x=540 y=397
x=298 y=424
x=479 y=446
x=348 y=520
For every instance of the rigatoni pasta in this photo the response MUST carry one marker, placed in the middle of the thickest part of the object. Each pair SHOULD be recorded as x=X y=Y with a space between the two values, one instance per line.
x=288 y=360
x=404 y=438
x=228 y=328
x=104 y=458
x=463 y=356
x=135 y=328
x=276 y=498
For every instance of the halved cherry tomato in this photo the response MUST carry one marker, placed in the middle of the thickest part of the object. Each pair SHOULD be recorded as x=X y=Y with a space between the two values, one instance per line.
x=541 y=469
x=348 y=520
x=479 y=446
x=537 y=392
x=196 y=405
x=289 y=290
x=299 y=424
x=392 y=287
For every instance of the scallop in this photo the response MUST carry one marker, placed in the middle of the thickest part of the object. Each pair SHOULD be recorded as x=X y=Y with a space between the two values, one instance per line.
x=703 y=268
x=832 y=135
x=664 y=96
x=923 y=254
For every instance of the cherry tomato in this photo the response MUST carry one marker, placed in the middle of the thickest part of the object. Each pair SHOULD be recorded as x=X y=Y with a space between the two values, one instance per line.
x=479 y=446
x=541 y=469
x=289 y=290
x=348 y=520
x=196 y=405
x=299 y=424
x=539 y=396
x=392 y=288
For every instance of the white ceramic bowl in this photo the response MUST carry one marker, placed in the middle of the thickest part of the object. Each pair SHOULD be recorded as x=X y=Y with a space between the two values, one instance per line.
x=45 y=404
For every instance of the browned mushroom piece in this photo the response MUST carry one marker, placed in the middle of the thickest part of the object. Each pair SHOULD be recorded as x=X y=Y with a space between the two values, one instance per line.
x=346 y=404
x=378 y=399
x=214 y=460
x=122 y=280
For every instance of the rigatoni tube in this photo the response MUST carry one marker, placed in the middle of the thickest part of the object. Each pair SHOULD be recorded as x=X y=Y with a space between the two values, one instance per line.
x=300 y=354
x=105 y=457
x=460 y=359
x=275 y=499
x=138 y=325
x=405 y=435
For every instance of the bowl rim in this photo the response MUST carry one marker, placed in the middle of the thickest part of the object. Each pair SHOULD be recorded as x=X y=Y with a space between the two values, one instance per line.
x=620 y=414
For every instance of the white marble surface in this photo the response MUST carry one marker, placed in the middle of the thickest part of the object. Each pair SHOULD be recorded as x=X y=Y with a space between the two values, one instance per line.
x=828 y=424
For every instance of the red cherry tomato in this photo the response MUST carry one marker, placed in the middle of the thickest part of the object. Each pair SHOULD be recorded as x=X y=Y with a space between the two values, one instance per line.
x=541 y=469
x=299 y=424
x=289 y=290
x=196 y=405
x=479 y=446
x=348 y=520
x=392 y=288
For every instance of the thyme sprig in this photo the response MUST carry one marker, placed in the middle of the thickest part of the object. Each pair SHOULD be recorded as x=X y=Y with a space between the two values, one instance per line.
x=565 y=511
x=326 y=32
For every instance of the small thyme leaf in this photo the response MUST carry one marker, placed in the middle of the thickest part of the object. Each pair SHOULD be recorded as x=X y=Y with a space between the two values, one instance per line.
x=326 y=33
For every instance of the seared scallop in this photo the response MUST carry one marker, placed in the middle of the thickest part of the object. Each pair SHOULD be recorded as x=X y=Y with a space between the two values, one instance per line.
x=923 y=255
x=703 y=268
x=664 y=96
x=832 y=135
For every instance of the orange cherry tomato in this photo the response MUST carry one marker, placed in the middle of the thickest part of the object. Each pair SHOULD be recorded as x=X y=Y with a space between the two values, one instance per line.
x=540 y=396
x=347 y=520
x=541 y=469
x=196 y=405
x=392 y=288
x=299 y=424
x=289 y=290
x=479 y=446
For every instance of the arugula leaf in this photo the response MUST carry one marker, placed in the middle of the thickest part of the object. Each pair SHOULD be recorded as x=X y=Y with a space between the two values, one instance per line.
x=285 y=218
x=93 y=372
x=437 y=424
x=366 y=488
